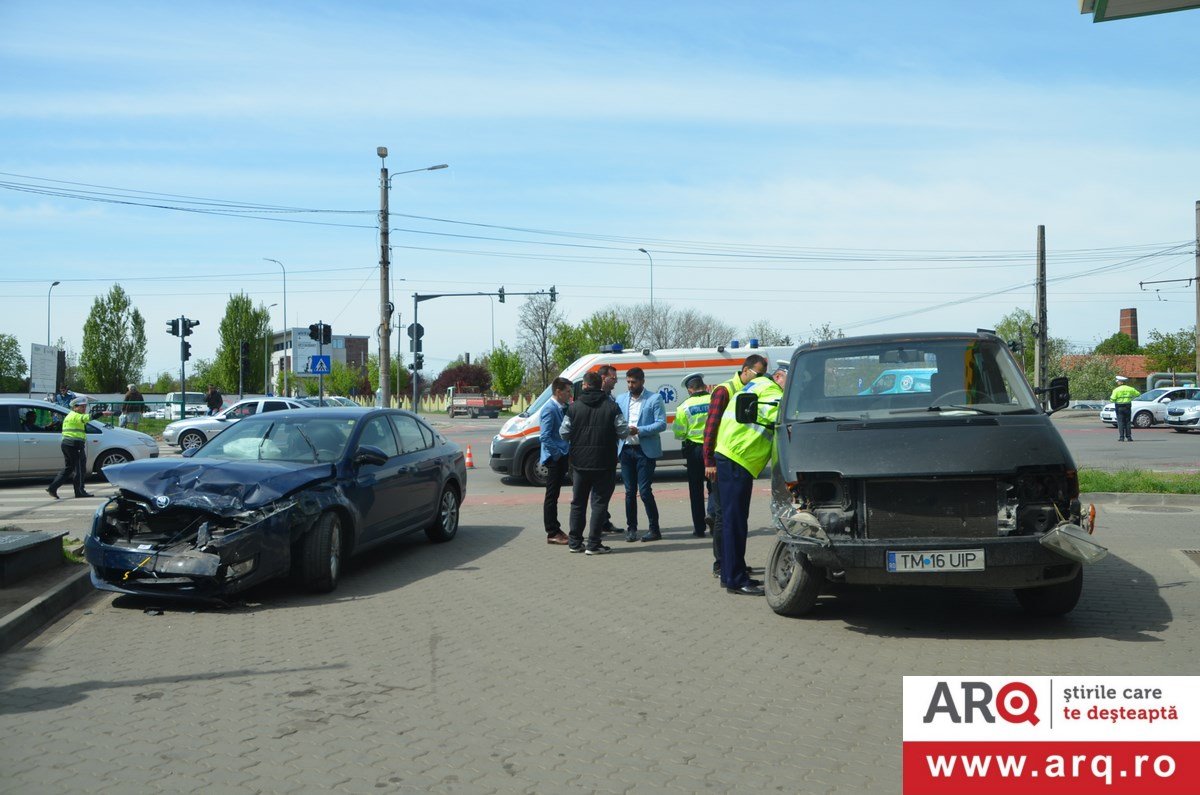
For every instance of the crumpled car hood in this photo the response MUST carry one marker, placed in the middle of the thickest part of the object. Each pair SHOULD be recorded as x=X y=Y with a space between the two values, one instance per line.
x=222 y=487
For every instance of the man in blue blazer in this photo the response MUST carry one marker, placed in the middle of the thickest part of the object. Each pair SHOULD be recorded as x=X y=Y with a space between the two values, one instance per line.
x=639 y=452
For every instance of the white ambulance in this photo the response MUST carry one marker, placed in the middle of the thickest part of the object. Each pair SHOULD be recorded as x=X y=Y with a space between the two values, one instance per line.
x=515 y=450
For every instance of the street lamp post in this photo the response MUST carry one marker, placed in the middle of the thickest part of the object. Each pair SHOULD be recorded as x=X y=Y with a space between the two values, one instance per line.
x=647 y=253
x=48 y=312
x=267 y=353
x=385 y=306
x=287 y=351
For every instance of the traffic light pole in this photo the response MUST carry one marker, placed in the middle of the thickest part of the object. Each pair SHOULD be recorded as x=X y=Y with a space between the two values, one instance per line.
x=416 y=344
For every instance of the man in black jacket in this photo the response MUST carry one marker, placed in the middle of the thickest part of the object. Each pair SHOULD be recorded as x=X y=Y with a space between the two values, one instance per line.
x=593 y=424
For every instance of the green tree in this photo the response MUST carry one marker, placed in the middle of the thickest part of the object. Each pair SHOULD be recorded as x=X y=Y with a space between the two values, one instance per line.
x=399 y=371
x=242 y=323
x=1091 y=377
x=1118 y=344
x=569 y=342
x=508 y=371
x=1171 y=353
x=164 y=383
x=342 y=379
x=12 y=364
x=1017 y=326
x=201 y=374
x=114 y=344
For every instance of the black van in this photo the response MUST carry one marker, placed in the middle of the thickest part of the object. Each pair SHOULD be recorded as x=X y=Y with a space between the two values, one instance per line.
x=961 y=482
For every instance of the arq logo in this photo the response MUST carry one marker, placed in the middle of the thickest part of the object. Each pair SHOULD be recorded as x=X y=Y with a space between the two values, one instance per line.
x=1016 y=702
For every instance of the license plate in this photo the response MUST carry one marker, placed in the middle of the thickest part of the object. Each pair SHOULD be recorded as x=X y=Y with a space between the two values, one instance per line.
x=936 y=560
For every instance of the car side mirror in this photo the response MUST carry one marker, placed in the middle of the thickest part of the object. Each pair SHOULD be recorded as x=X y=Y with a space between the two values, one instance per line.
x=1059 y=393
x=746 y=408
x=191 y=451
x=369 y=454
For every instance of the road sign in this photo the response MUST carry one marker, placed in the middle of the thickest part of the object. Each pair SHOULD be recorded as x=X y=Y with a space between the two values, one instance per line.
x=415 y=331
x=319 y=365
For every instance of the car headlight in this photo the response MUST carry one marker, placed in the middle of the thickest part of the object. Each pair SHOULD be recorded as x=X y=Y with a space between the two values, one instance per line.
x=153 y=445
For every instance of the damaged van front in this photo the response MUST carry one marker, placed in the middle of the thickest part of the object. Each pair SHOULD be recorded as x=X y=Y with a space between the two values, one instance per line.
x=967 y=484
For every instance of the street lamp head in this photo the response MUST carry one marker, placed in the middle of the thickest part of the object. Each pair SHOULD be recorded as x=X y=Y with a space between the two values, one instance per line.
x=56 y=284
x=435 y=168
x=381 y=151
x=644 y=251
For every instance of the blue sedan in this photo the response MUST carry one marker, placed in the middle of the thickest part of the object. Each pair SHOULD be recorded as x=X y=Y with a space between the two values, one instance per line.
x=293 y=492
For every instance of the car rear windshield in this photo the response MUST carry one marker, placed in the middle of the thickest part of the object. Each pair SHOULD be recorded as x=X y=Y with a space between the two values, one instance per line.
x=296 y=439
x=885 y=379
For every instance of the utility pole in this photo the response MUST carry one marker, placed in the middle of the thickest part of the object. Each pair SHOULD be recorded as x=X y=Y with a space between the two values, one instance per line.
x=385 y=306
x=1197 y=285
x=1040 y=340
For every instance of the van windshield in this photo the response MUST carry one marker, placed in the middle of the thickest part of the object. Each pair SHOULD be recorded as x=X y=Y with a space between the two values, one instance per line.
x=537 y=404
x=923 y=378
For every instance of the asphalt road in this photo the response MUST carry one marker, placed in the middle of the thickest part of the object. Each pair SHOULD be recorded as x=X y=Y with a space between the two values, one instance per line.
x=497 y=663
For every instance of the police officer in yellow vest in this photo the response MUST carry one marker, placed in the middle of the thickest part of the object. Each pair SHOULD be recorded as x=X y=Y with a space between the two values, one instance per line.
x=689 y=428
x=1123 y=397
x=741 y=453
x=74 y=439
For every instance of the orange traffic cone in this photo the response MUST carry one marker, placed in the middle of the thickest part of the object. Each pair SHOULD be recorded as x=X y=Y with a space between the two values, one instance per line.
x=470 y=459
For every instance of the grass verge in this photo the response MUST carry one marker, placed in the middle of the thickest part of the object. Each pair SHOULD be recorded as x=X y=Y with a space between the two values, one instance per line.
x=1138 y=481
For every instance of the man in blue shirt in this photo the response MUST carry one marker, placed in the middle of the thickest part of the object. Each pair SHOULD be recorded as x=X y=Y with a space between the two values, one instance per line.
x=554 y=456
x=639 y=452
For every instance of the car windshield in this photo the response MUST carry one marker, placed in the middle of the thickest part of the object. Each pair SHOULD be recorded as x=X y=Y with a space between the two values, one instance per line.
x=1153 y=394
x=299 y=439
x=923 y=378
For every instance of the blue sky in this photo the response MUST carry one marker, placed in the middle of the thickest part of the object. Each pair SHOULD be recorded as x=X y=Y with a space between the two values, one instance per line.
x=875 y=166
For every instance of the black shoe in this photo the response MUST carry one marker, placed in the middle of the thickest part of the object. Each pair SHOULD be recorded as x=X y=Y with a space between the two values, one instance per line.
x=710 y=522
x=698 y=533
x=631 y=536
x=746 y=590
x=52 y=492
x=575 y=549
x=755 y=583
x=600 y=550
x=653 y=535
x=608 y=529
x=84 y=494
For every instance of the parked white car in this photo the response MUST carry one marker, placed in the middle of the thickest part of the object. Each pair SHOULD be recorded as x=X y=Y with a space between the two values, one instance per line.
x=1151 y=407
x=31 y=440
x=1183 y=415
x=194 y=432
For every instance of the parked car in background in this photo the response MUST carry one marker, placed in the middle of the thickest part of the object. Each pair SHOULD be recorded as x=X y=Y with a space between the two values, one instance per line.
x=194 y=432
x=194 y=404
x=329 y=401
x=897 y=382
x=280 y=492
x=31 y=439
x=1151 y=407
x=1183 y=415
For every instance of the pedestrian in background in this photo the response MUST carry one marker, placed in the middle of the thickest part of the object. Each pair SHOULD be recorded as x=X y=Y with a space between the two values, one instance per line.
x=554 y=456
x=131 y=412
x=608 y=382
x=64 y=397
x=592 y=425
x=779 y=376
x=74 y=450
x=639 y=452
x=688 y=427
x=1122 y=398
x=213 y=399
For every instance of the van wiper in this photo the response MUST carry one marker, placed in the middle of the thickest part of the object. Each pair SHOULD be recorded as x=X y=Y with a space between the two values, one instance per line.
x=945 y=407
x=833 y=418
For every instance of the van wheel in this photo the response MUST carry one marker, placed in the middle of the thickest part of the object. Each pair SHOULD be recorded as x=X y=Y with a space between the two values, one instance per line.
x=1052 y=600
x=791 y=581
x=1144 y=419
x=535 y=473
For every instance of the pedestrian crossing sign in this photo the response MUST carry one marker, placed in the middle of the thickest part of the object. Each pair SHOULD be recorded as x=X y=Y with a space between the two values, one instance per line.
x=319 y=365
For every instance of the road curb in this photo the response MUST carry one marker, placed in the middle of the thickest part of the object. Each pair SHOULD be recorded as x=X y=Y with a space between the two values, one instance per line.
x=37 y=613
x=1141 y=498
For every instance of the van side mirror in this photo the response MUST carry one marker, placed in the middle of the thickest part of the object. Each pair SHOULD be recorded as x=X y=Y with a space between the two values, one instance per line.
x=1059 y=393
x=745 y=408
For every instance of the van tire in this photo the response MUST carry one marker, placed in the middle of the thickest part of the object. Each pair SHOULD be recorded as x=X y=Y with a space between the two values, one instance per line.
x=1052 y=600
x=791 y=582
x=536 y=474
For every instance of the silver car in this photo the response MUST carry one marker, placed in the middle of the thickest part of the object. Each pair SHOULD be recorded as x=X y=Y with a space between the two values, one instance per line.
x=195 y=431
x=1183 y=415
x=1150 y=408
x=31 y=439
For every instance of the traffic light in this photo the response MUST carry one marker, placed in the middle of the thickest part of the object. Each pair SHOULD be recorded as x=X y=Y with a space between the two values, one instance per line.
x=188 y=325
x=553 y=295
x=314 y=331
x=326 y=333
x=245 y=356
x=185 y=350
x=320 y=332
x=500 y=292
x=419 y=361
x=173 y=327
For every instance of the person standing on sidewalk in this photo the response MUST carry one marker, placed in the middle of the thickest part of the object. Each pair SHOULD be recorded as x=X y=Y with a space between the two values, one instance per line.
x=592 y=425
x=753 y=367
x=213 y=399
x=131 y=411
x=74 y=450
x=608 y=382
x=554 y=456
x=640 y=451
x=1122 y=398
x=688 y=427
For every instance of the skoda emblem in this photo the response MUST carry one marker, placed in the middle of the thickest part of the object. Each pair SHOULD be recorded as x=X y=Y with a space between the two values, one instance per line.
x=162 y=501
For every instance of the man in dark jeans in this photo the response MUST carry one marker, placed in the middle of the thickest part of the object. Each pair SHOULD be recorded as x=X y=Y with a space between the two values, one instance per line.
x=592 y=424
x=554 y=456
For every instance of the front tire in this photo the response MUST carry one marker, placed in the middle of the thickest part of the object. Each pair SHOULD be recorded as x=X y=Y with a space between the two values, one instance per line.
x=535 y=473
x=321 y=554
x=110 y=458
x=792 y=583
x=445 y=524
x=1052 y=600
x=1143 y=419
x=191 y=440
x=1180 y=430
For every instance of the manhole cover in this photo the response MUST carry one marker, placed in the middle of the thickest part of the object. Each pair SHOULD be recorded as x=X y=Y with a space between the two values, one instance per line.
x=1160 y=509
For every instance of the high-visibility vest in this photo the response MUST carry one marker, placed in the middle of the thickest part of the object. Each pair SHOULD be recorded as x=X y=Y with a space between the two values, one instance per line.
x=749 y=445
x=74 y=425
x=1124 y=394
x=690 y=418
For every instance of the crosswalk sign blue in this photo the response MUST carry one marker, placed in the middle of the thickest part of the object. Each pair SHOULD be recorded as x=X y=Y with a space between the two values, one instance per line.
x=319 y=365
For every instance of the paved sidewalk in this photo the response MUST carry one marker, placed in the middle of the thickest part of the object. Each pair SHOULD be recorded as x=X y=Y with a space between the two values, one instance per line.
x=497 y=663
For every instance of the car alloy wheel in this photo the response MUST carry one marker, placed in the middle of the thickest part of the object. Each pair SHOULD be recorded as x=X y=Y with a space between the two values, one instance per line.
x=191 y=440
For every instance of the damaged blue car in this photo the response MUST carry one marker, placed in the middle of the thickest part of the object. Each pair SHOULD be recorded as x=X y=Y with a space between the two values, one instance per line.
x=291 y=493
